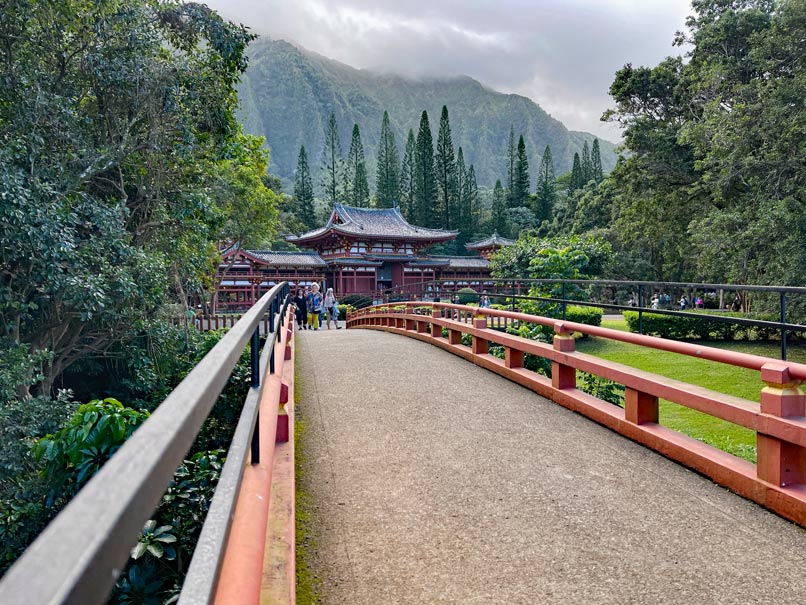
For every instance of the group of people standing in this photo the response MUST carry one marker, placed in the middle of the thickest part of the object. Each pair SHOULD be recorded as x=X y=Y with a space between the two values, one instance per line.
x=311 y=308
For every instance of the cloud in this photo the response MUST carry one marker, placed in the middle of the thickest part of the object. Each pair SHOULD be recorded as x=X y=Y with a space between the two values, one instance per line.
x=560 y=53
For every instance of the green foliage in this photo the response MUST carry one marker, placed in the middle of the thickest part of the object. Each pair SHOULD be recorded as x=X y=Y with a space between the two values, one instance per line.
x=499 y=223
x=602 y=388
x=332 y=162
x=699 y=328
x=121 y=171
x=356 y=188
x=446 y=175
x=303 y=191
x=467 y=295
x=387 y=179
x=520 y=185
x=591 y=316
x=425 y=185
x=572 y=257
x=74 y=453
x=408 y=178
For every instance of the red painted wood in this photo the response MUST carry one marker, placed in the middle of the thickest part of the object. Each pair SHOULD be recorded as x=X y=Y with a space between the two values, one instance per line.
x=640 y=408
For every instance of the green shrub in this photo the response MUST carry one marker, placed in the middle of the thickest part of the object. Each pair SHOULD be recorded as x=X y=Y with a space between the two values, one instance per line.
x=700 y=328
x=467 y=295
x=591 y=316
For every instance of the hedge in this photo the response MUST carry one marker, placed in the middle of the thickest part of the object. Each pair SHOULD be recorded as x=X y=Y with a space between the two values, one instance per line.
x=700 y=328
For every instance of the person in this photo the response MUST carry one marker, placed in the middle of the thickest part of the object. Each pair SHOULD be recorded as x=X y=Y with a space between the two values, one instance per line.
x=631 y=302
x=655 y=300
x=314 y=307
x=737 y=304
x=332 y=308
x=683 y=302
x=698 y=302
x=484 y=301
x=301 y=308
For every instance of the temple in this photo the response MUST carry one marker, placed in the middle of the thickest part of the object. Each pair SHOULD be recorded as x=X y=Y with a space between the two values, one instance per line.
x=358 y=251
x=488 y=246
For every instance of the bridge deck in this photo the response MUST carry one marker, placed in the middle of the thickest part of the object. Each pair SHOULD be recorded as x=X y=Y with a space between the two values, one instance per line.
x=435 y=481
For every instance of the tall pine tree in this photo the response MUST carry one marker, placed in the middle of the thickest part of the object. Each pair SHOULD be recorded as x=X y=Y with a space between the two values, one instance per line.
x=356 y=186
x=546 y=193
x=445 y=164
x=596 y=162
x=577 y=178
x=303 y=191
x=511 y=161
x=520 y=186
x=387 y=184
x=473 y=202
x=499 y=216
x=332 y=163
x=425 y=184
x=408 y=177
x=587 y=165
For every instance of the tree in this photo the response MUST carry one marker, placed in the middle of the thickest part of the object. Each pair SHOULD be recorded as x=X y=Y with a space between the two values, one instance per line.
x=596 y=162
x=425 y=185
x=303 y=191
x=332 y=163
x=473 y=202
x=545 y=193
x=408 y=177
x=356 y=188
x=107 y=179
x=499 y=222
x=520 y=191
x=445 y=164
x=587 y=164
x=577 y=176
x=512 y=159
x=387 y=179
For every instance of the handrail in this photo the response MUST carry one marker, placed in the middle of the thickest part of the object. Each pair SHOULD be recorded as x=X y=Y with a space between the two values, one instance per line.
x=80 y=554
x=777 y=481
x=745 y=360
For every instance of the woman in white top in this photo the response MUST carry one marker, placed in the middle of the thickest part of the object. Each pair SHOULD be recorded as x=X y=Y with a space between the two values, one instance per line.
x=332 y=308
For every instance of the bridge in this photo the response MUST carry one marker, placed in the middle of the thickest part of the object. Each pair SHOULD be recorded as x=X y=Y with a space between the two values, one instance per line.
x=445 y=471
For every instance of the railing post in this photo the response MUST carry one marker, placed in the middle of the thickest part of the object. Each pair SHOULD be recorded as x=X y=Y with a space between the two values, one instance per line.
x=254 y=350
x=563 y=376
x=780 y=462
x=640 y=408
x=436 y=329
x=481 y=346
x=783 y=321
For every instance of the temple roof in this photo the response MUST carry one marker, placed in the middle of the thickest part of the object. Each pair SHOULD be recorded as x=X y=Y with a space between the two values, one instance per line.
x=376 y=223
x=465 y=262
x=287 y=259
x=489 y=242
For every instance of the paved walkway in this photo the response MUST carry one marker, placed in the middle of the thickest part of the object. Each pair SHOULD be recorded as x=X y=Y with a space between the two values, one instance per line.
x=435 y=481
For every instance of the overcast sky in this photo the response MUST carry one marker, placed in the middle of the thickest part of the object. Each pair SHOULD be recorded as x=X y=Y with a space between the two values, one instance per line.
x=560 y=53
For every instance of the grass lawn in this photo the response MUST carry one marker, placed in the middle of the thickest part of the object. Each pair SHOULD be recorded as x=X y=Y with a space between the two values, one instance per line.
x=731 y=380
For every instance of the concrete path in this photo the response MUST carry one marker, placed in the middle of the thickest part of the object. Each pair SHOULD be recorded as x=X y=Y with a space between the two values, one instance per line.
x=435 y=481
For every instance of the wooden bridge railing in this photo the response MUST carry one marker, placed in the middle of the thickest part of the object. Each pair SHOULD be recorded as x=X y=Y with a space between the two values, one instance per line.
x=80 y=554
x=777 y=481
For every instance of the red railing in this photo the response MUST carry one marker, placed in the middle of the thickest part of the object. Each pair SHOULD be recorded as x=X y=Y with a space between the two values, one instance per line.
x=777 y=481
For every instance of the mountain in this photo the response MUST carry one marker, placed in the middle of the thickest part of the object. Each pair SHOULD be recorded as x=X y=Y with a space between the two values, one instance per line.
x=287 y=95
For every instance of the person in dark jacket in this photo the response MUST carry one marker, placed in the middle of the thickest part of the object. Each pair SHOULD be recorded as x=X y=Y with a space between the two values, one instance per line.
x=301 y=312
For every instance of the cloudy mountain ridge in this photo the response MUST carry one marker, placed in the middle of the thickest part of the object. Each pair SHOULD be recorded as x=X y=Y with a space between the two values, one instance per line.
x=287 y=95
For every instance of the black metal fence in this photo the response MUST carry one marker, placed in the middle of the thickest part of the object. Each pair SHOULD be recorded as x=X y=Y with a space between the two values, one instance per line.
x=663 y=298
x=81 y=553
